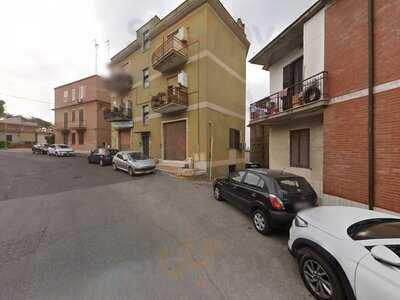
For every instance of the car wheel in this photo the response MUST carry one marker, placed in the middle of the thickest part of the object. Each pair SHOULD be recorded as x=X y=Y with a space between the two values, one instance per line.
x=131 y=172
x=89 y=161
x=261 y=222
x=101 y=163
x=217 y=194
x=319 y=276
x=114 y=167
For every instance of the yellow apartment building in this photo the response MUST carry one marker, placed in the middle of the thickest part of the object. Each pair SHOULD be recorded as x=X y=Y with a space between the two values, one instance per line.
x=186 y=106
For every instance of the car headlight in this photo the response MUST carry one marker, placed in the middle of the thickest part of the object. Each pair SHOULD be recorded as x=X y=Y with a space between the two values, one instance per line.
x=299 y=222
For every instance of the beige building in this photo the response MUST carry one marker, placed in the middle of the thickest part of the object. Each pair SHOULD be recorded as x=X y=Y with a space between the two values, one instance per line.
x=79 y=114
x=188 y=94
x=19 y=133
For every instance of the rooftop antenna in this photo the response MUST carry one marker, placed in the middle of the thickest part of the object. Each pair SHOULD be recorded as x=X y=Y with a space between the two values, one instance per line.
x=96 y=46
x=108 y=45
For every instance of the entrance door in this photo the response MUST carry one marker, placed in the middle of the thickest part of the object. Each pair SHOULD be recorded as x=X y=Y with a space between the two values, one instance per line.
x=124 y=140
x=175 y=141
x=146 y=144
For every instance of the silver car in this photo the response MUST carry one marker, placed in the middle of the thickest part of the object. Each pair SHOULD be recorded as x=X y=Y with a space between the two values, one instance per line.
x=133 y=163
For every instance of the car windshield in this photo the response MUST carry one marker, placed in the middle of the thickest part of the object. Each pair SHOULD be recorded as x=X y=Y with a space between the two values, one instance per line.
x=62 y=146
x=135 y=156
x=294 y=185
x=113 y=151
x=375 y=229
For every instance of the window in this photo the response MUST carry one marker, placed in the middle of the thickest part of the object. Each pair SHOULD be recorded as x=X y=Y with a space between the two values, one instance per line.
x=294 y=185
x=375 y=229
x=237 y=177
x=65 y=95
x=9 y=138
x=300 y=148
x=234 y=138
x=145 y=114
x=146 y=39
x=73 y=116
x=65 y=120
x=146 y=78
x=81 y=92
x=253 y=180
x=73 y=95
x=73 y=138
x=81 y=139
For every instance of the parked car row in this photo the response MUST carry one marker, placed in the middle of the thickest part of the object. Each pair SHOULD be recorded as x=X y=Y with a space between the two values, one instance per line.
x=342 y=252
x=59 y=150
x=133 y=163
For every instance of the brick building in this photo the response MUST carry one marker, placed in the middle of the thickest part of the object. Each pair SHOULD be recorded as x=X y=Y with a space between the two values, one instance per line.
x=79 y=114
x=334 y=114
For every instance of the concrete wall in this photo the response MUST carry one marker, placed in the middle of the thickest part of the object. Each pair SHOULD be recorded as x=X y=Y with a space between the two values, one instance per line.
x=314 y=45
x=279 y=149
x=276 y=70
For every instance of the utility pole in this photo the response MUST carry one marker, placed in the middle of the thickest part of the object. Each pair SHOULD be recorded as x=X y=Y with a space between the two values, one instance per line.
x=108 y=45
x=96 y=46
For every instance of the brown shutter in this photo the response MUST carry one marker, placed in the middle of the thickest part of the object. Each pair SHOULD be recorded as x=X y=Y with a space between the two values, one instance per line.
x=304 y=148
x=294 y=149
x=287 y=76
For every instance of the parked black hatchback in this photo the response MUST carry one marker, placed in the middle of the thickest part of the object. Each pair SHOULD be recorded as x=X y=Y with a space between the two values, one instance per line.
x=102 y=156
x=271 y=197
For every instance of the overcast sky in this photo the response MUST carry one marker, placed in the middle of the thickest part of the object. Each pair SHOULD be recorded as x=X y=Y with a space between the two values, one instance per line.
x=46 y=43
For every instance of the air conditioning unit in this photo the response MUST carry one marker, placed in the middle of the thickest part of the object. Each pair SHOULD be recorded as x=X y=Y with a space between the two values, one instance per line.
x=181 y=34
x=183 y=79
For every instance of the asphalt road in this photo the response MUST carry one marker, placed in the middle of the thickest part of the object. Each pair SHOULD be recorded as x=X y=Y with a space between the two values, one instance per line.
x=69 y=230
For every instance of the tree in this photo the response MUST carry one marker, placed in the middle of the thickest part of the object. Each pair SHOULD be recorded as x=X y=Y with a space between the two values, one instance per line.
x=2 y=109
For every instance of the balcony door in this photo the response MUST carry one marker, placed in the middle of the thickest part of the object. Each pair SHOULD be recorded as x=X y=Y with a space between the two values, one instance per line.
x=292 y=76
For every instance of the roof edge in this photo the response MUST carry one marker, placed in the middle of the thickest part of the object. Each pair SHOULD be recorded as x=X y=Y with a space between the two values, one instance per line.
x=308 y=14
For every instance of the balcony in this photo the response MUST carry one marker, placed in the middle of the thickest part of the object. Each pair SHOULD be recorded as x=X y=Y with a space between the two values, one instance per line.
x=170 y=55
x=174 y=100
x=78 y=125
x=118 y=114
x=303 y=99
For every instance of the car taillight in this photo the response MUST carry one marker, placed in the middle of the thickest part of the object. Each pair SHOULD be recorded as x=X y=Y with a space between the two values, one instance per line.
x=276 y=203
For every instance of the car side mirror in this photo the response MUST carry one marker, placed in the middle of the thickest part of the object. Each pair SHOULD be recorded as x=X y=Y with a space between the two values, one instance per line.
x=385 y=255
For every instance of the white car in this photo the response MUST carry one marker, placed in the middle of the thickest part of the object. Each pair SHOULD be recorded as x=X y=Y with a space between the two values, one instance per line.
x=347 y=253
x=60 y=150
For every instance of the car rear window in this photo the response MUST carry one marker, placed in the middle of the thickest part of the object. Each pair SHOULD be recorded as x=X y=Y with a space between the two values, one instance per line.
x=294 y=185
x=375 y=229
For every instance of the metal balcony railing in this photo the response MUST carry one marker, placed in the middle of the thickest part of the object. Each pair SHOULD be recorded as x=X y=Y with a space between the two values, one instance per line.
x=118 y=113
x=298 y=95
x=175 y=99
x=80 y=124
x=170 y=54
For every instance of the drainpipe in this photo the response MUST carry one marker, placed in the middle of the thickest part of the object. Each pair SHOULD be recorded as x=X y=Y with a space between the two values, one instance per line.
x=371 y=81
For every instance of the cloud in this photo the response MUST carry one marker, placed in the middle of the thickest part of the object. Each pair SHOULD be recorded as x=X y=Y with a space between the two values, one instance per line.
x=48 y=43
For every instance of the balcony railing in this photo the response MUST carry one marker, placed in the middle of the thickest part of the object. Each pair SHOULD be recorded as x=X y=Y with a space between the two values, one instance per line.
x=294 y=98
x=118 y=113
x=78 y=125
x=174 y=100
x=171 y=54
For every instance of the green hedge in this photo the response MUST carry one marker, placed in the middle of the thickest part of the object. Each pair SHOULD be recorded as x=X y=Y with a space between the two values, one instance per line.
x=2 y=144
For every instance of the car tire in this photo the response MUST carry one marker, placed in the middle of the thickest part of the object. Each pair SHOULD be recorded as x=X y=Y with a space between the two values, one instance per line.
x=217 y=194
x=101 y=163
x=325 y=283
x=131 y=172
x=114 y=167
x=89 y=161
x=261 y=222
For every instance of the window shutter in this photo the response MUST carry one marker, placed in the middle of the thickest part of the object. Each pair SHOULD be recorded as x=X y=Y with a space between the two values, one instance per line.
x=288 y=76
x=294 y=149
x=304 y=148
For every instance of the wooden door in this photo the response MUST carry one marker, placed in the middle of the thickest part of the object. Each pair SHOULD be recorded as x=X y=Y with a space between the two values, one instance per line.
x=175 y=141
x=146 y=144
x=124 y=140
